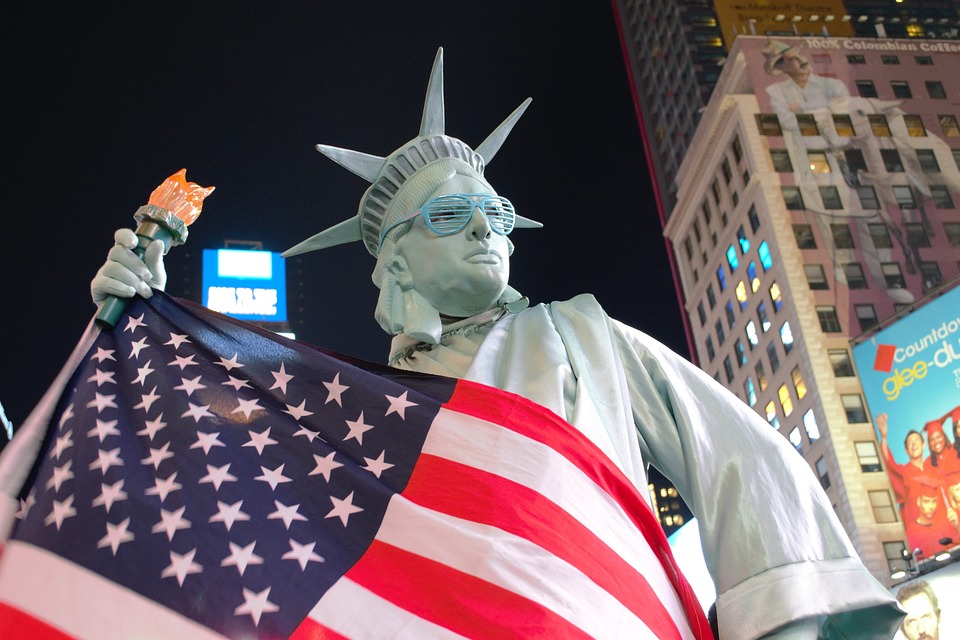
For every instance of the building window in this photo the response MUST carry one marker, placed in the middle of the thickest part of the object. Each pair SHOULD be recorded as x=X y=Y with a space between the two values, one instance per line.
x=796 y=439
x=766 y=258
x=741 y=291
x=831 y=197
x=715 y=188
x=710 y=352
x=854 y=275
x=855 y=160
x=914 y=125
x=822 y=474
x=888 y=59
x=711 y=297
x=952 y=231
x=853 y=407
x=721 y=278
x=804 y=236
x=891 y=160
x=792 y=198
x=732 y=258
x=741 y=353
x=774 y=358
x=754 y=218
x=761 y=375
x=842 y=238
x=948 y=124
x=843 y=125
x=752 y=276
x=696 y=231
x=932 y=278
x=904 y=196
x=737 y=149
x=731 y=319
x=829 y=322
x=807 y=124
x=728 y=369
x=750 y=392
x=753 y=338
x=856 y=59
x=928 y=161
x=941 y=196
x=879 y=125
x=775 y=297
x=867 y=316
x=924 y=61
x=897 y=554
x=935 y=89
x=771 y=412
x=868 y=197
x=868 y=457
x=786 y=337
x=810 y=426
x=816 y=278
x=917 y=234
x=956 y=157
x=781 y=161
x=883 y=509
x=742 y=241
x=900 y=89
x=762 y=317
x=769 y=124
x=721 y=336
x=866 y=89
x=893 y=275
x=880 y=236
x=818 y=162
x=702 y=314
x=841 y=363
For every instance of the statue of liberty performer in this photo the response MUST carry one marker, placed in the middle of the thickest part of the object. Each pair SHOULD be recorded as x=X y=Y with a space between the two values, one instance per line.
x=781 y=562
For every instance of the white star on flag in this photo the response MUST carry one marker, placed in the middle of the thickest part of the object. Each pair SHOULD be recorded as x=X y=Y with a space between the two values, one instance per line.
x=273 y=477
x=117 y=534
x=63 y=443
x=281 y=378
x=157 y=456
x=61 y=511
x=399 y=405
x=217 y=476
x=142 y=373
x=133 y=323
x=357 y=428
x=259 y=440
x=107 y=459
x=229 y=513
x=247 y=406
x=103 y=429
x=190 y=385
x=177 y=339
x=230 y=364
x=256 y=604
x=182 y=362
x=343 y=508
x=335 y=390
x=102 y=377
x=181 y=566
x=152 y=427
x=306 y=433
x=207 y=441
x=240 y=557
x=302 y=553
x=171 y=522
x=236 y=383
x=378 y=466
x=102 y=402
x=137 y=347
x=325 y=465
x=25 y=505
x=67 y=414
x=103 y=354
x=298 y=411
x=60 y=475
x=286 y=513
x=197 y=411
x=110 y=493
x=165 y=487
x=146 y=401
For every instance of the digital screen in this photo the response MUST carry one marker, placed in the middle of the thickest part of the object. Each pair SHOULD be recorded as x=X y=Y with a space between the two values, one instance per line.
x=247 y=285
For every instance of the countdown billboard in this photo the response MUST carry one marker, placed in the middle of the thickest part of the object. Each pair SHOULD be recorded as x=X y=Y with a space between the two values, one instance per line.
x=247 y=285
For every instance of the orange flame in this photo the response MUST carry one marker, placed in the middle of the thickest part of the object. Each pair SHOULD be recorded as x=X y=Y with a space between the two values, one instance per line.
x=181 y=198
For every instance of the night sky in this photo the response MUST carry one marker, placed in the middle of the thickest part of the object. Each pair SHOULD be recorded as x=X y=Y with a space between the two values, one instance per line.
x=102 y=103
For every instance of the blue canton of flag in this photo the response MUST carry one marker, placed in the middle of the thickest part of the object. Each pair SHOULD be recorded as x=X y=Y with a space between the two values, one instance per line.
x=226 y=473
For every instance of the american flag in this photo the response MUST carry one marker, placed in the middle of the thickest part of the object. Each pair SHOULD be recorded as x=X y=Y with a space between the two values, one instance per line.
x=203 y=478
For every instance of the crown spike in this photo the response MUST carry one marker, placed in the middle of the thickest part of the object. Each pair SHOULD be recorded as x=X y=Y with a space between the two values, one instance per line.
x=489 y=147
x=432 y=122
x=341 y=233
x=363 y=164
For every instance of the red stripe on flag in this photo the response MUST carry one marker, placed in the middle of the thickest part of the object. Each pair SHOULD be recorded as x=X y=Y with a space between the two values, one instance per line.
x=530 y=420
x=17 y=624
x=310 y=629
x=490 y=499
x=455 y=600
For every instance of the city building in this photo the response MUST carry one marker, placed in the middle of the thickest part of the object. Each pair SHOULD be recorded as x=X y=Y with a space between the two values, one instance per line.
x=809 y=216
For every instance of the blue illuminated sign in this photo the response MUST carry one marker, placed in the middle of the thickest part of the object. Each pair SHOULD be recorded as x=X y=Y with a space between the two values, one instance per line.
x=247 y=285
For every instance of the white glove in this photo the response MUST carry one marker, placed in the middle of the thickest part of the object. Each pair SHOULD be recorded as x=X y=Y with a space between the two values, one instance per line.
x=124 y=274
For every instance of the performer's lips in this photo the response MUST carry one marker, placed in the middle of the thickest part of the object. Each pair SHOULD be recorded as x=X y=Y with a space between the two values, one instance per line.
x=483 y=255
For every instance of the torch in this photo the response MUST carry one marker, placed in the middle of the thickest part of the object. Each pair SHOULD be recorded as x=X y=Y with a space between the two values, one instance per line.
x=172 y=207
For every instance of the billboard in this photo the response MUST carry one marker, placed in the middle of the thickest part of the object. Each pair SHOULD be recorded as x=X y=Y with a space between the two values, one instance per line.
x=817 y=17
x=910 y=373
x=931 y=605
x=247 y=285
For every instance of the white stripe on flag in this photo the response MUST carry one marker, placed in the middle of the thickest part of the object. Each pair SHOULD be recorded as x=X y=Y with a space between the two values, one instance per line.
x=512 y=563
x=353 y=611
x=84 y=604
x=491 y=448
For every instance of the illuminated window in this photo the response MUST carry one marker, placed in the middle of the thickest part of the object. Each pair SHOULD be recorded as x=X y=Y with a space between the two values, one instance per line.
x=935 y=89
x=742 y=294
x=781 y=161
x=914 y=125
x=829 y=322
x=771 y=411
x=753 y=339
x=764 y=252
x=810 y=426
x=785 y=401
x=749 y=392
x=761 y=375
x=879 y=125
x=866 y=89
x=721 y=278
x=841 y=363
x=732 y=258
x=731 y=319
x=831 y=197
x=786 y=337
x=853 y=407
x=796 y=439
x=752 y=275
x=774 y=358
x=741 y=354
x=882 y=504
x=769 y=124
x=842 y=238
x=901 y=89
x=868 y=457
x=948 y=124
x=866 y=315
x=742 y=240
x=818 y=162
x=854 y=275
x=891 y=160
x=807 y=124
x=798 y=383
x=843 y=125
x=792 y=198
x=816 y=278
x=762 y=317
x=941 y=196
x=775 y=297
x=803 y=233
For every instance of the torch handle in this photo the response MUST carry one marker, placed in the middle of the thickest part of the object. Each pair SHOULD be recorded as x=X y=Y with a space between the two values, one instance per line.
x=112 y=308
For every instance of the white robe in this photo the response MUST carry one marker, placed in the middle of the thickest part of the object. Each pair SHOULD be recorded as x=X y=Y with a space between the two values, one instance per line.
x=773 y=544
